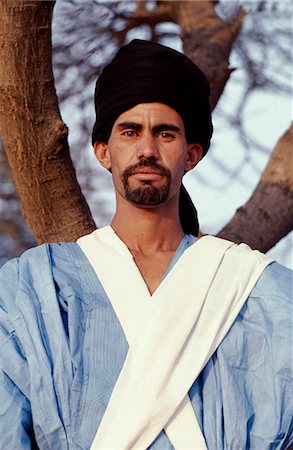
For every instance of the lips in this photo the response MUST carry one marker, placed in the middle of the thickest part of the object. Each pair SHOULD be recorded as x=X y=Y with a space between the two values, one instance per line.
x=147 y=173
x=146 y=170
x=149 y=170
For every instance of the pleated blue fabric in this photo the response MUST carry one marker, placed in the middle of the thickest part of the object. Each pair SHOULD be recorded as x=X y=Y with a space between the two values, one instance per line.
x=62 y=349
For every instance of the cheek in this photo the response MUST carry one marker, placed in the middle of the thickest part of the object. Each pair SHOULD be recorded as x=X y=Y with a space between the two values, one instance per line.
x=118 y=167
x=116 y=172
x=179 y=166
x=176 y=177
x=117 y=180
x=119 y=154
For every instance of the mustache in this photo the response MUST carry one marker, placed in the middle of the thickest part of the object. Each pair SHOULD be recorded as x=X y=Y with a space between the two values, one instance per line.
x=147 y=162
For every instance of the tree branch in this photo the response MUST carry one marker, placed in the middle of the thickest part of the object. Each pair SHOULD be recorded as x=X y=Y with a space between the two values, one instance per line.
x=207 y=40
x=268 y=215
x=162 y=13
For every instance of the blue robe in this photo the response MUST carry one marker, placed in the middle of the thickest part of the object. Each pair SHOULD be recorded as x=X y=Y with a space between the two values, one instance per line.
x=62 y=349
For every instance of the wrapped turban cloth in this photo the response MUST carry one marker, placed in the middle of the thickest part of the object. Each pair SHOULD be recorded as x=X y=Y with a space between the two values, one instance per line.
x=146 y=72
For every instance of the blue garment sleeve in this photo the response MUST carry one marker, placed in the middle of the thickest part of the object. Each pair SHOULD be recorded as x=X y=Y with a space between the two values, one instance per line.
x=246 y=387
x=34 y=356
x=15 y=414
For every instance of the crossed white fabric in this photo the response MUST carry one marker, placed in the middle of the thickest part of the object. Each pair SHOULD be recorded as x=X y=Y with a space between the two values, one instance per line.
x=171 y=334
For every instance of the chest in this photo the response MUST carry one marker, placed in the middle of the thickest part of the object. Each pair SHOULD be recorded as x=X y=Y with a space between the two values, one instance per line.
x=153 y=267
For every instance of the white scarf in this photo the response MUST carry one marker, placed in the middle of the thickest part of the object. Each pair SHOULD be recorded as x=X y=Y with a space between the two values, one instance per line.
x=171 y=334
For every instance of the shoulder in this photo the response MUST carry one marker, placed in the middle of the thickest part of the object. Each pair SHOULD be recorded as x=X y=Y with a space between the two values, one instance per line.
x=270 y=301
x=275 y=281
x=41 y=253
x=34 y=267
x=20 y=268
x=263 y=323
x=43 y=278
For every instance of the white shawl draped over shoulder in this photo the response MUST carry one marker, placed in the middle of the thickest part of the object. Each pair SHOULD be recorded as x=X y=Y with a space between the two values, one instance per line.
x=171 y=334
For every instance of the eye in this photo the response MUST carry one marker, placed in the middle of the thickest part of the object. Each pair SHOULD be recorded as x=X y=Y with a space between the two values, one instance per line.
x=166 y=136
x=129 y=133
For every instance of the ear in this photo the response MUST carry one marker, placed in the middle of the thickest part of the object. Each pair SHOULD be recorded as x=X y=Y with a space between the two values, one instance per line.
x=193 y=156
x=102 y=154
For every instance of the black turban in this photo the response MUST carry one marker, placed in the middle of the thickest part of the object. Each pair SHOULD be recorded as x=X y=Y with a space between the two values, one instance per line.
x=146 y=72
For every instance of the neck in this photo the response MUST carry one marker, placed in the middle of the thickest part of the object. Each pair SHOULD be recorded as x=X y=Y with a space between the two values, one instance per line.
x=147 y=230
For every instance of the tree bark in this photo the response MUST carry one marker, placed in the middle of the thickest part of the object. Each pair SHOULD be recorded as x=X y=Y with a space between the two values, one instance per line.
x=34 y=136
x=268 y=215
x=207 y=40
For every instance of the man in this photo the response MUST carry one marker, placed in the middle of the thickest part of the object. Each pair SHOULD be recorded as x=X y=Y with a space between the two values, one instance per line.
x=141 y=335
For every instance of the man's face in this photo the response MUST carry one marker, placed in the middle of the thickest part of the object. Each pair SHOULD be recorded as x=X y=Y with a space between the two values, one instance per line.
x=148 y=154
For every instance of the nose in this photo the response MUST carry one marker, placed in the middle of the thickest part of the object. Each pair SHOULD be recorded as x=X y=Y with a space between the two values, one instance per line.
x=147 y=147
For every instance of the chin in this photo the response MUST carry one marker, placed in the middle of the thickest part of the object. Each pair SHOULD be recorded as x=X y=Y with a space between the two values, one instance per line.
x=148 y=196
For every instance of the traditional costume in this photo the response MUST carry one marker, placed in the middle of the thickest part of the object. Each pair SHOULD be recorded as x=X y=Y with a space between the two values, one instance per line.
x=68 y=348
x=90 y=360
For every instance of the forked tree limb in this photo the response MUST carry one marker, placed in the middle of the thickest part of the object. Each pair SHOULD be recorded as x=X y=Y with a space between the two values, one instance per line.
x=35 y=137
x=207 y=40
x=268 y=216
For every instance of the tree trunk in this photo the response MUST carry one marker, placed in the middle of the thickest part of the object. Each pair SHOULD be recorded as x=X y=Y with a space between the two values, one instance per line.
x=35 y=138
x=268 y=215
x=207 y=40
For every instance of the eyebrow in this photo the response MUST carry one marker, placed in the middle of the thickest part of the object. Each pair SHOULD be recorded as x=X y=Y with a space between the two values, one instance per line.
x=132 y=125
x=166 y=127
x=156 y=129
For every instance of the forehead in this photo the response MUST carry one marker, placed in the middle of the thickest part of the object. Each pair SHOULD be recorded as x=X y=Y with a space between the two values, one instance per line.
x=151 y=113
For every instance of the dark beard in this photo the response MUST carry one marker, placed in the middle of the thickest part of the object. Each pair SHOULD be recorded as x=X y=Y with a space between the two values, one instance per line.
x=147 y=195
